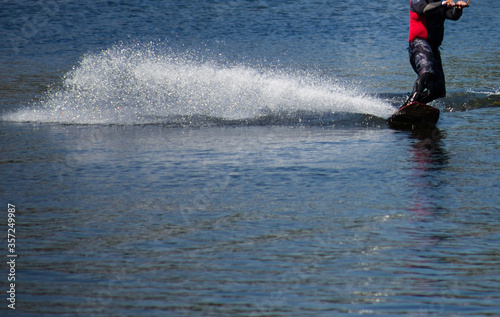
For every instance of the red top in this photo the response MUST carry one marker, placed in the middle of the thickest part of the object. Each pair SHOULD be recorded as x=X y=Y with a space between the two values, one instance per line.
x=418 y=26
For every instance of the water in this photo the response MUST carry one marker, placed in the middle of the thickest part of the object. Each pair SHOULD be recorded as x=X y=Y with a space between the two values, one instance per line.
x=232 y=159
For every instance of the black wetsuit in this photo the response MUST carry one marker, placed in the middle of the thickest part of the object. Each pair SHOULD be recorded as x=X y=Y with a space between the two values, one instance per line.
x=426 y=35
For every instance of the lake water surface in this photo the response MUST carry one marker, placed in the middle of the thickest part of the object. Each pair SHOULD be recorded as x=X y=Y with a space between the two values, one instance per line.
x=231 y=158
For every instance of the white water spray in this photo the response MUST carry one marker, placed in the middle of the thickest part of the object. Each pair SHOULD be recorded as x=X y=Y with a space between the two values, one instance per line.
x=125 y=85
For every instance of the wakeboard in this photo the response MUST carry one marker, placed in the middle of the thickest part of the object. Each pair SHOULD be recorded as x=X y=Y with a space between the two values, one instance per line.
x=414 y=115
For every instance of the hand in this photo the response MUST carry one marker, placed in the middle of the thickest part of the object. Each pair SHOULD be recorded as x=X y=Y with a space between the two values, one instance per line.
x=461 y=4
x=449 y=3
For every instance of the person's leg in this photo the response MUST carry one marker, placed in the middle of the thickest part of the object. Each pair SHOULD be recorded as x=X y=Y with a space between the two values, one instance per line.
x=426 y=62
x=436 y=87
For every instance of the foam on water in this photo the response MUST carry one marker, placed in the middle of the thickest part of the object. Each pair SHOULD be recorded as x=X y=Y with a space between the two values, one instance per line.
x=135 y=85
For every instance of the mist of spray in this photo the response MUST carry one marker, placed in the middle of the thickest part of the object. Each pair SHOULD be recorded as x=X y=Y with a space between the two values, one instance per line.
x=135 y=85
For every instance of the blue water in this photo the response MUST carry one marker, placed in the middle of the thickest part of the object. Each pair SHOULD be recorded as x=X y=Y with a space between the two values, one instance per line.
x=231 y=158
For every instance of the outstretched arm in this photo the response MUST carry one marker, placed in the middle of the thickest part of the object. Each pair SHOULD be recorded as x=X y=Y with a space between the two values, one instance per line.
x=427 y=8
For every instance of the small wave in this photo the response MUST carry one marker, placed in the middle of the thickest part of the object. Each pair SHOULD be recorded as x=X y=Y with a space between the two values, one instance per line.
x=139 y=85
x=470 y=100
x=296 y=118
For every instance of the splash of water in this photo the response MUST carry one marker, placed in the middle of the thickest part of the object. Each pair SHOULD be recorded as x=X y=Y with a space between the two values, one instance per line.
x=135 y=85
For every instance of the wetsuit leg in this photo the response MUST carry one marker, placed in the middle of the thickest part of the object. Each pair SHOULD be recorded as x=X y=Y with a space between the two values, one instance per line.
x=436 y=85
x=426 y=61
